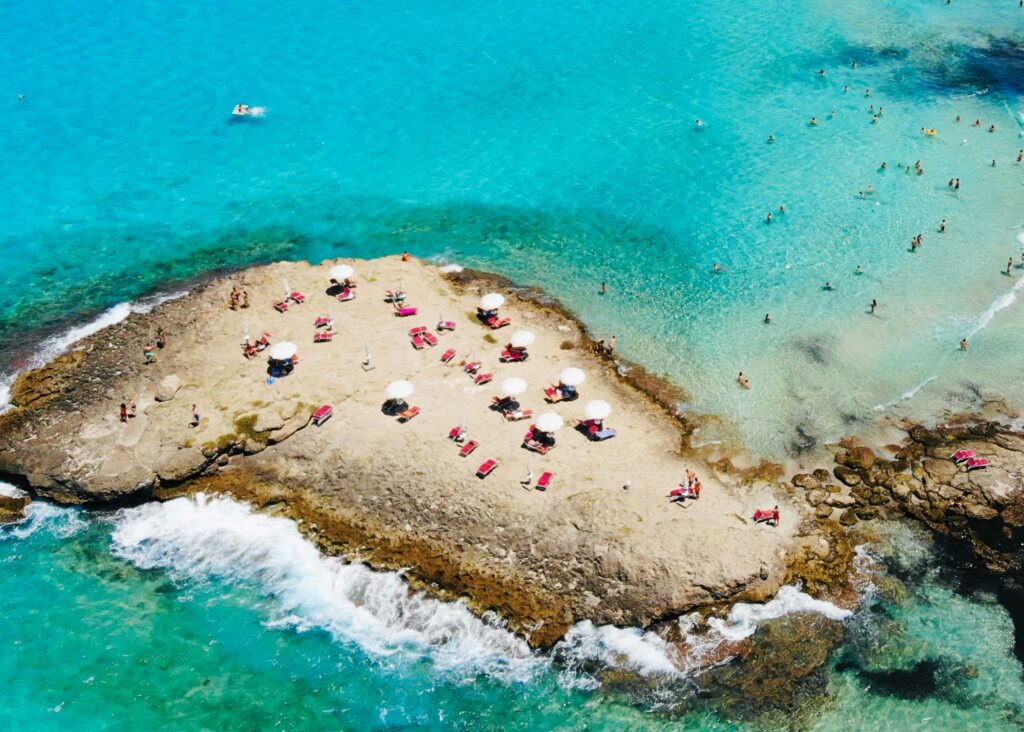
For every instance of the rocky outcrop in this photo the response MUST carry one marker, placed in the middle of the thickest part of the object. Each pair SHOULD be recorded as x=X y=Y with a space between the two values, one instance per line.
x=12 y=508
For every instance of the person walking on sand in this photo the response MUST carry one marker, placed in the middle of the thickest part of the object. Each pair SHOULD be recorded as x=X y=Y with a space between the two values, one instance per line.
x=124 y=412
x=149 y=353
x=131 y=409
x=743 y=380
x=690 y=478
x=195 y=416
x=963 y=344
x=775 y=516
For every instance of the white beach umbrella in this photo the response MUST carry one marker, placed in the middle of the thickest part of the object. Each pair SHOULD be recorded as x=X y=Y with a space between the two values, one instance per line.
x=549 y=422
x=492 y=301
x=342 y=272
x=572 y=376
x=399 y=389
x=283 y=351
x=513 y=386
x=522 y=338
x=597 y=409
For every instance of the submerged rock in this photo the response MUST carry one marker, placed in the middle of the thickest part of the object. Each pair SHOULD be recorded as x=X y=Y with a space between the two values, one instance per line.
x=12 y=508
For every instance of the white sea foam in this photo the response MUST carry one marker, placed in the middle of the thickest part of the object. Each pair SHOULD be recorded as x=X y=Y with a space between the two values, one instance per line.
x=196 y=539
x=908 y=394
x=633 y=649
x=1001 y=303
x=451 y=268
x=60 y=521
x=55 y=345
x=744 y=618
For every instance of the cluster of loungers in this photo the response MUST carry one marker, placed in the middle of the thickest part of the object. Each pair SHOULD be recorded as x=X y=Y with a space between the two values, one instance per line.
x=969 y=460
x=295 y=297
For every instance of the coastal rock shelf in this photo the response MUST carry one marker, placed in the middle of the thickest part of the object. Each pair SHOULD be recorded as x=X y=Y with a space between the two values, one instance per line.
x=601 y=543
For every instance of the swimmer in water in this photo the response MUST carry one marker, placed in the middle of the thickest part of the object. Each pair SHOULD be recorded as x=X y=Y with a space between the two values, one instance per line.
x=867 y=92
x=813 y=122
x=1020 y=156
x=827 y=287
x=767 y=319
x=717 y=268
x=604 y=288
x=743 y=380
x=883 y=166
x=771 y=138
x=942 y=227
x=768 y=218
x=698 y=123
x=821 y=72
x=958 y=118
x=782 y=209
x=859 y=270
x=991 y=128
x=846 y=89
x=977 y=122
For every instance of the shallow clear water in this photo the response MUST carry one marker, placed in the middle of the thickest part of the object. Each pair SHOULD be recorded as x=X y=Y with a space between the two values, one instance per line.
x=541 y=139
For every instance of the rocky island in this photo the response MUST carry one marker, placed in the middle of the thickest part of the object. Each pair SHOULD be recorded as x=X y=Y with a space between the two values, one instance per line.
x=603 y=542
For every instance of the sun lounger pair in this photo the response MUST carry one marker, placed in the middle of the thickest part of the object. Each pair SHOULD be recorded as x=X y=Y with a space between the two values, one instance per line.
x=448 y=355
x=486 y=468
x=323 y=322
x=297 y=297
x=544 y=481
x=408 y=414
x=324 y=336
x=496 y=322
x=445 y=325
x=977 y=463
x=962 y=456
x=346 y=294
x=323 y=414
x=468 y=448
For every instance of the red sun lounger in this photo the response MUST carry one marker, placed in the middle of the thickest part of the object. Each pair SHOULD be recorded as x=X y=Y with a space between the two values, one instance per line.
x=324 y=336
x=347 y=294
x=297 y=297
x=430 y=338
x=763 y=515
x=322 y=414
x=473 y=366
x=418 y=330
x=405 y=312
x=687 y=492
x=468 y=448
x=486 y=468
x=408 y=414
x=456 y=433
x=482 y=379
x=962 y=455
x=417 y=342
x=448 y=355
x=495 y=323
x=323 y=322
x=544 y=481
x=281 y=306
x=978 y=463
x=445 y=325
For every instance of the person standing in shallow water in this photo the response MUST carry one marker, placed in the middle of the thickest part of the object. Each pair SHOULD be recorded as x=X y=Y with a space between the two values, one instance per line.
x=1009 y=267
x=963 y=344
x=743 y=380
x=874 y=305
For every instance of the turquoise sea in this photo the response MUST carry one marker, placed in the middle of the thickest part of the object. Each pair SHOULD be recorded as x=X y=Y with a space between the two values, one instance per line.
x=556 y=143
